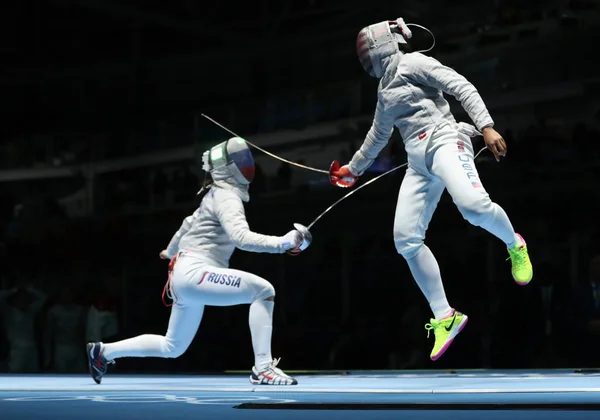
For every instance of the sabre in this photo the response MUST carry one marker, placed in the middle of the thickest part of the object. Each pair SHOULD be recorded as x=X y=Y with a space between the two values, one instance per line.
x=305 y=230
x=310 y=168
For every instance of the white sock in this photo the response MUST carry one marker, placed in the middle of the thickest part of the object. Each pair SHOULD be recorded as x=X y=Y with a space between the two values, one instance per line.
x=261 y=328
x=146 y=345
x=499 y=225
x=426 y=273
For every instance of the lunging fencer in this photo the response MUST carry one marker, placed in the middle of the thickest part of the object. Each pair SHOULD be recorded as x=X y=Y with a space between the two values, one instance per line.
x=440 y=156
x=200 y=275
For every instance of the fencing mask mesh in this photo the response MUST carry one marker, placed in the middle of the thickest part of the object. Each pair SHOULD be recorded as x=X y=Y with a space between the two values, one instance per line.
x=376 y=42
x=232 y=158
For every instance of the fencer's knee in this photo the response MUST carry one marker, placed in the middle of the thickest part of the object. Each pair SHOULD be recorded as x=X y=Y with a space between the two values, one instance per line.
x=172 y=349
x=410 y=250
x=267 y=293
x=406 y=245
x=476 y=211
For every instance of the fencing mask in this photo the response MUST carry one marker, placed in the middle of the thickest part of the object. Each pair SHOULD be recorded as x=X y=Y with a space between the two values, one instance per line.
x=230 y=159
x=379 y=41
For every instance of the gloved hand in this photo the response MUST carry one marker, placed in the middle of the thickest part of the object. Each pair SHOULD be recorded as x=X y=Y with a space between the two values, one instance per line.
x=306 y=240
x=341 y=176
x=163 y=255
x=291 y=240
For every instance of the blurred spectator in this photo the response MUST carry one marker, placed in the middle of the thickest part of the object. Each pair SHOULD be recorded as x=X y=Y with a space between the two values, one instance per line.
x=586 y=312
x=64 y=334
x=102 y=321
x=19 y=309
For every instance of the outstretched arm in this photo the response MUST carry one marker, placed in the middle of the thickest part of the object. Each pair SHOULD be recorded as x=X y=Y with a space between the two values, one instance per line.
x=377 y=138
x=232 y=217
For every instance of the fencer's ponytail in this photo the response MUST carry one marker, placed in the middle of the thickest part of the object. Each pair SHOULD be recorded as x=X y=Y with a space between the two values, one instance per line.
x=206 y=185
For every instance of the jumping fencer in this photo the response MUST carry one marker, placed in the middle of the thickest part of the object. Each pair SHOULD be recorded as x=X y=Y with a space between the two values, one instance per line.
x=440 y=156
x=200 y=275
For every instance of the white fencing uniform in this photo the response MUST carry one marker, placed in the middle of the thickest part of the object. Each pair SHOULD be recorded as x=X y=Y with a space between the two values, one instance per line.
x=439 y=149
x=202 y=248
x=201 y=276
x=440 y=156
x=445 y=162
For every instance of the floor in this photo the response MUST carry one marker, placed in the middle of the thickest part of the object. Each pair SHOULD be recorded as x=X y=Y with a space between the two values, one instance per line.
x=555 y=394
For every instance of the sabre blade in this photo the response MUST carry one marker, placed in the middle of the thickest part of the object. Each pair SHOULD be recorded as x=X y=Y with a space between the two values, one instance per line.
x=299 y=165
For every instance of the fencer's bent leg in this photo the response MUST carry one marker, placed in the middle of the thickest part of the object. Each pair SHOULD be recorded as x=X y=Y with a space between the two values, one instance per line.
x=195 y=285
x=215 y=286
x=453 y=163
x=183 y=325
x=417 y=201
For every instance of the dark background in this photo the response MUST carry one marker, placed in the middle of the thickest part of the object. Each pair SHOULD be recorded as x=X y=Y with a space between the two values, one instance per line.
x=101 y=134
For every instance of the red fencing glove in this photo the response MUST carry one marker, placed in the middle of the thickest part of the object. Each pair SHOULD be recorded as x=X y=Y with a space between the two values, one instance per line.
x=341 y=176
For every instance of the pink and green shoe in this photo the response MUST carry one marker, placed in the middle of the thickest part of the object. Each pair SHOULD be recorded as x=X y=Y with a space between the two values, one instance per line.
x=522 y=270
x=445 y=331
